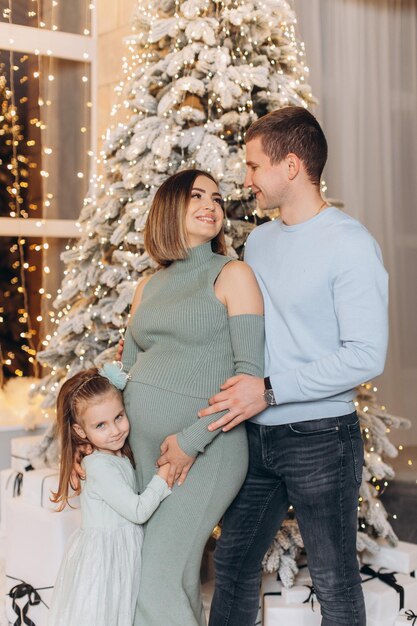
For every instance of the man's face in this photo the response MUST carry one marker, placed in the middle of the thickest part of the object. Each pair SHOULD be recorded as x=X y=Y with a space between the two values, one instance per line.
x=268 y=182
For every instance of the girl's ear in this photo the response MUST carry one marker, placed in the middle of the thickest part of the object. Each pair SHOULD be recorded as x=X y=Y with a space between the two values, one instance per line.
x=80 y=431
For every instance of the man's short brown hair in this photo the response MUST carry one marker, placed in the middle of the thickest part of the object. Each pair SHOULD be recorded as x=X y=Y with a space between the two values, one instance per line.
x=165 y=234
x=292 y=130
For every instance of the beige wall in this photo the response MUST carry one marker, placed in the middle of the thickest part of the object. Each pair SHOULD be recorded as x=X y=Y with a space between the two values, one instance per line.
x=114 y=19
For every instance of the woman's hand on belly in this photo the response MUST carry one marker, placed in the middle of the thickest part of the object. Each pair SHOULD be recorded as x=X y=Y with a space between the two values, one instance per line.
x=180 y=463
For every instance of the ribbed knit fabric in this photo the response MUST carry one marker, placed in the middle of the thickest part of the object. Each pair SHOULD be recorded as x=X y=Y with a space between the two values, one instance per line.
x=179 y=348
x=182 y=340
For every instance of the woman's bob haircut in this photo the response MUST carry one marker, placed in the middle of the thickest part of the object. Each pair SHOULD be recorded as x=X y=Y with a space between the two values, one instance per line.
x=165 y=234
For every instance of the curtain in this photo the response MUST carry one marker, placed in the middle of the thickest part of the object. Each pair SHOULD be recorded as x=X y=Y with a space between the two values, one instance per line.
x=362 y=56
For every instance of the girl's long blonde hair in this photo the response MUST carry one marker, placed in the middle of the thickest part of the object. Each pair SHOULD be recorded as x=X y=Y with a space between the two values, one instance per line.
x=84 y=387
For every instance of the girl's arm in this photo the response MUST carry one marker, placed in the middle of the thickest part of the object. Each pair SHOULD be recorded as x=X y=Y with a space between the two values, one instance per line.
x=105 y=480
x=130 y=347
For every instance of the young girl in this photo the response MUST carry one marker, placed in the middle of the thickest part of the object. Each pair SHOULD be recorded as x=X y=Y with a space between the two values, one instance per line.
x=98 y=580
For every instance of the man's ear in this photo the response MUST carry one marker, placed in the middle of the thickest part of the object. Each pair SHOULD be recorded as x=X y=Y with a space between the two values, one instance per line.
x=80 y=431
x=293 y=165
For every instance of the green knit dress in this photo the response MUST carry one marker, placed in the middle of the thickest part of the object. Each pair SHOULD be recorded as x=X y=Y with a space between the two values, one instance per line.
x=179 y=348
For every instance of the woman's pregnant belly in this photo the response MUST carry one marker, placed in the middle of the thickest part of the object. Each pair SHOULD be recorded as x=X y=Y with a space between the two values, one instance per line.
x=155 y=413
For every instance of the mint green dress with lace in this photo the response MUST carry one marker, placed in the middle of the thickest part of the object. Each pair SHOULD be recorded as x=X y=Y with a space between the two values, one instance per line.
x=179 y=348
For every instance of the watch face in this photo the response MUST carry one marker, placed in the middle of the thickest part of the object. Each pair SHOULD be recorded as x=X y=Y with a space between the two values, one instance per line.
x=269 y=397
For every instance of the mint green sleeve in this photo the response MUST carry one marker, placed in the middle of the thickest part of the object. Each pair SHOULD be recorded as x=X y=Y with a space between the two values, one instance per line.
x=130 y=350
x=106 y=481
x=247 y=335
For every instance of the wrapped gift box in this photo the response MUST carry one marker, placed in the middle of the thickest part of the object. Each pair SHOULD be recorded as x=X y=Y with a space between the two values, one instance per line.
x=36 y=540
x=406 y=616
x=37 y=486
x=298 y=594
x=402 y=558
x=37 y=613
x=383 y=602
x=10 y=486
x=270 y=584
x=277 y=613
x=21 y=448
x=303 y=577
x=33 y=486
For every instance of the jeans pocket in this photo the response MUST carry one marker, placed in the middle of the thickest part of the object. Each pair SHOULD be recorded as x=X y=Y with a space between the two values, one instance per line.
x=320 y=426
x=358 y=453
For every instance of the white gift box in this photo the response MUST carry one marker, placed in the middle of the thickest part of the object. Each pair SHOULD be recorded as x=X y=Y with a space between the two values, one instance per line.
x=383 y=602
x=402 y=558
x=38 y=613
x=10 y=485
x=303 y=577
x=37 y=487
x=34 y=487
x=298 y=594
x=406 y=616
x=270 y=584
x=21 y=448
x=36 y=540
x=277 y=613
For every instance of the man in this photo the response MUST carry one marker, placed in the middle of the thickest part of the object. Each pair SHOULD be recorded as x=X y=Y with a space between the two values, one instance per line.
x=325 y=292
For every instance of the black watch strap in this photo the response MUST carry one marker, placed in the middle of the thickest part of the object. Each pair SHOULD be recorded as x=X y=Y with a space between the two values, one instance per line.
x=269 y=396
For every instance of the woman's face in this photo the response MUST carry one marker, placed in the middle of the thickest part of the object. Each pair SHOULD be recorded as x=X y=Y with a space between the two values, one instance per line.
x=204 y=217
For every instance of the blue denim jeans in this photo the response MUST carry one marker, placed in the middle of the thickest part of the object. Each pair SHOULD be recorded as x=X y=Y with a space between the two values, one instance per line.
x=316 y=466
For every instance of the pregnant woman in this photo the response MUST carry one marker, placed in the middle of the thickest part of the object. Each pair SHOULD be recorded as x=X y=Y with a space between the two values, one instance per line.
x=193 y=324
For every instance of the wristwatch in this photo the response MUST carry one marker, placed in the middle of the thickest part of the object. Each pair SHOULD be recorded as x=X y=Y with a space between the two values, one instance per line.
x=269 y=393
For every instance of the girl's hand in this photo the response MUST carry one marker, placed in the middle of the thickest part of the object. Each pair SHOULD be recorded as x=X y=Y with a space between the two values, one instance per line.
x=77 y=474
x=180 y=463
x=163 y=472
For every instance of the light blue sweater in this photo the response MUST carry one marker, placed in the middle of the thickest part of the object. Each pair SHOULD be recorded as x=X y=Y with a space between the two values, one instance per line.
x=326 y=321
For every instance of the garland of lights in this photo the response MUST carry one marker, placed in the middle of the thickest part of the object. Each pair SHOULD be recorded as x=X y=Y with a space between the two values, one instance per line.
x=17 y=208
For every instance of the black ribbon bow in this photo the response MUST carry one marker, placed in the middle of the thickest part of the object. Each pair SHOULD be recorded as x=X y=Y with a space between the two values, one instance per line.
x=411 y=617
x=310 y=597
x=17 y=478
x=386 y=577
x=17 y=484
x=33 y=598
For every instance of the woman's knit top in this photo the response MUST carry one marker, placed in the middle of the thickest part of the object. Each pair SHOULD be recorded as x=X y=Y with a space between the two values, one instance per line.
x=183 y=335
x=181 y=338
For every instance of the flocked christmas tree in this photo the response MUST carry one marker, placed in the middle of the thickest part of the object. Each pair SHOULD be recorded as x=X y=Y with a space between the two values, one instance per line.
x=200 y=73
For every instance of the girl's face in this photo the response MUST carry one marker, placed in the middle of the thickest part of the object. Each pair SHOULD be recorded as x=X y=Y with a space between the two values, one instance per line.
x=104 y=423
x=204 y=216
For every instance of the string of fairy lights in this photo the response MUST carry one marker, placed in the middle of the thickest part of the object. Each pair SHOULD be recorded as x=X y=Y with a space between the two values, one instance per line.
x=25 y=170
